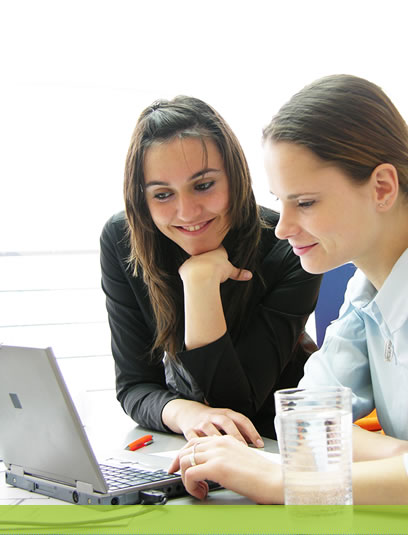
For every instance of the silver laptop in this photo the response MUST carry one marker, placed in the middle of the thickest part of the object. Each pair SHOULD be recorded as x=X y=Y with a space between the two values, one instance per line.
x=46 y=450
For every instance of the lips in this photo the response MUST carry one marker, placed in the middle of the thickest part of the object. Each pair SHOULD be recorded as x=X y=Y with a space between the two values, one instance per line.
x=194 y=229
x=301 y=250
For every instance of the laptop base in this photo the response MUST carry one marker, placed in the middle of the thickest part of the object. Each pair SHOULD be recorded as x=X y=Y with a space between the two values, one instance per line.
x=59 y=491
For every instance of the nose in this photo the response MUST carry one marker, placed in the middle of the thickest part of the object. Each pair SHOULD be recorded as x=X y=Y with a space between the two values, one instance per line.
x=188 y=208
x=287 y=226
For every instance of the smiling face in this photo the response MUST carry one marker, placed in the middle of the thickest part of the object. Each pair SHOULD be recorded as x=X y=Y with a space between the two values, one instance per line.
x=187 y=193
x=326 y=218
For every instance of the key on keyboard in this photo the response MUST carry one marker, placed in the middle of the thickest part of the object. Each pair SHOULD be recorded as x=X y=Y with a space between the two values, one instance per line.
x=127 y=476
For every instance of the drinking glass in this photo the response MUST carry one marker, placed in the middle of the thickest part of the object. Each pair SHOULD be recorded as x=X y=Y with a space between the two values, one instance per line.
x=314 y=428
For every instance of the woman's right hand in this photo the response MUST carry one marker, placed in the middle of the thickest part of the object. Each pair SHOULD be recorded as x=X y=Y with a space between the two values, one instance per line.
x=231 y=464
x=203 y=310
x=211 y=266
x=194 y=419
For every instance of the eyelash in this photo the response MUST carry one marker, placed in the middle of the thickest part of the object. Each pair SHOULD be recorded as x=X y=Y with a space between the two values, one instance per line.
x=162 y=196
x=305 y=204
x=202 y=187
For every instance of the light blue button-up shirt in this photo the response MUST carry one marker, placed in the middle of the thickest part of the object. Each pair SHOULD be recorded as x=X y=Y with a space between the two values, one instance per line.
x=366 y=348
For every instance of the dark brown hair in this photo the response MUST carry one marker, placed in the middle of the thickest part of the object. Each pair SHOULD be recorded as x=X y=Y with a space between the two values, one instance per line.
x=348 y=121
x=155 y=255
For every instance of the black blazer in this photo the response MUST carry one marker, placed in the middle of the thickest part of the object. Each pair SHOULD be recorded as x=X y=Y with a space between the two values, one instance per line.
x=241 y=373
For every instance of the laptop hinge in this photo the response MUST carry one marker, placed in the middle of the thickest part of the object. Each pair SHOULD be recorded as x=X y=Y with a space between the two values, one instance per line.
x=16 y=469
x=84 y=487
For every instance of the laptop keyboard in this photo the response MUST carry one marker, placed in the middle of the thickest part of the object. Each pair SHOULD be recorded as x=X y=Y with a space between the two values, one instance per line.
x=128 y=476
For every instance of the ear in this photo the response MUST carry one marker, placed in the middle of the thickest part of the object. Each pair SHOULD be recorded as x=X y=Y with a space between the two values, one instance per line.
x=386 y=186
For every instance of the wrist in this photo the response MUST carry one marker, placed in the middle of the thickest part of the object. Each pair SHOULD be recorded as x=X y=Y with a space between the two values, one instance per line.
x=170 y=413
x=275 y=493
x=197 y=275
x=176 y=411
x=269 y=490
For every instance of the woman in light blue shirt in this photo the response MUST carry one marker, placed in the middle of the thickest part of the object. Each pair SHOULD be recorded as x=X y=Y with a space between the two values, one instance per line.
x=336 y=156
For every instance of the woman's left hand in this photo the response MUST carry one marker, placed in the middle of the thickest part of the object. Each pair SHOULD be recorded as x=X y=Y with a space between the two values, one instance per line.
x=231 y=464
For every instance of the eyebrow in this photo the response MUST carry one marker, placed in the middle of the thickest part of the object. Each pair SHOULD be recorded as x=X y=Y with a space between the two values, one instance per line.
x=295 y=196
x=192 y=177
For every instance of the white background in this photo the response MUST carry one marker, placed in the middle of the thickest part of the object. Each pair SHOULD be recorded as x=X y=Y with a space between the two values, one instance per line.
x=75 y=74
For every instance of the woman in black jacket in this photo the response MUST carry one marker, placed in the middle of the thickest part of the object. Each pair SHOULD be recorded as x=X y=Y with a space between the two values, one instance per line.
x=206 y=307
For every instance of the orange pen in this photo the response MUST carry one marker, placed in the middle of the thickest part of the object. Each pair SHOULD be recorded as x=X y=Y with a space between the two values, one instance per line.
x=140 y=443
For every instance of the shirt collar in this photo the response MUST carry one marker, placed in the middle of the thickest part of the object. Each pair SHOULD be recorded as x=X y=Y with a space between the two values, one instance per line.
x=391 y=301
x=360 y=290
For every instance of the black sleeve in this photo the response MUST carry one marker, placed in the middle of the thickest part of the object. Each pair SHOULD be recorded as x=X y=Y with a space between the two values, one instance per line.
x=140 y=381
x=242 y=374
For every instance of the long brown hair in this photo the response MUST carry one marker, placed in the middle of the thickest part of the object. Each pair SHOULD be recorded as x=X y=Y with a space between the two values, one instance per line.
x=348 y=121
x=153 y=255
